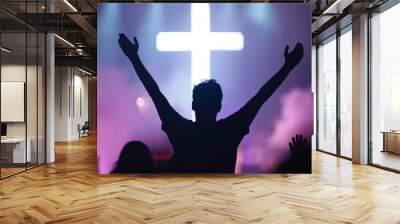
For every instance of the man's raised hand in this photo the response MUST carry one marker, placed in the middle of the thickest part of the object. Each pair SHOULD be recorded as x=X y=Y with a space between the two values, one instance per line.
x=130 y=49
x=294 y=57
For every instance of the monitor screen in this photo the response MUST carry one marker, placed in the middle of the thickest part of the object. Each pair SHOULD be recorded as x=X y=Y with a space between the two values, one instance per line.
x=3 y=129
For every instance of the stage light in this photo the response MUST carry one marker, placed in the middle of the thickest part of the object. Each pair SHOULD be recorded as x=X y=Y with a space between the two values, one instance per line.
x=140 y=102
x=200 y=41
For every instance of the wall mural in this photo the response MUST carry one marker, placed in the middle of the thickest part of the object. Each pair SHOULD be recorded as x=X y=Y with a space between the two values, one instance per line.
x=204 y=88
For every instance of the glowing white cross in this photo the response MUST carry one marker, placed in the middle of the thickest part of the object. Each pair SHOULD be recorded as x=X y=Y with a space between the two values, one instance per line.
x=200 y=41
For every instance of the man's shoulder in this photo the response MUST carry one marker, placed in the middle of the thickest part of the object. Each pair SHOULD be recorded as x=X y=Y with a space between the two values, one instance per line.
x=229 y=119
x=226 y=122
x=180 y=122
x=234 y=124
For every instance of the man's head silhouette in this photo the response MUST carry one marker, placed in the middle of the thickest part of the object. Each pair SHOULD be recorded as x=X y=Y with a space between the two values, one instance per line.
x=207 y=98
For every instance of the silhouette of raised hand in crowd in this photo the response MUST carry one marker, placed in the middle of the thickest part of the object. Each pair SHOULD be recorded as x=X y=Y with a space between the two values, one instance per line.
x=299 y=160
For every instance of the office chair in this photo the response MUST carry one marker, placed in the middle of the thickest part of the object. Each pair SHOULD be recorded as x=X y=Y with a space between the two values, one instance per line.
x=84 y=130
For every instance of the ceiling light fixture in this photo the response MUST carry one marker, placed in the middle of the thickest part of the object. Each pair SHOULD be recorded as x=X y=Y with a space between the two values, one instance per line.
x=70 y=5
x=337 y=7
x=84 y=71
x=64 y=40
x=5 y=50
x=326 y=11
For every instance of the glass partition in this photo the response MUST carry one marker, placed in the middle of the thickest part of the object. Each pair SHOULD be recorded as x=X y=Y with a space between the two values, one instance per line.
x=14 y=153
x=22 y=77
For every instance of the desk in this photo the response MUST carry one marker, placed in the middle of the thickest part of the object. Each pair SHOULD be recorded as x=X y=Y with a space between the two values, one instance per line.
x=391 y=141
x=13 y=150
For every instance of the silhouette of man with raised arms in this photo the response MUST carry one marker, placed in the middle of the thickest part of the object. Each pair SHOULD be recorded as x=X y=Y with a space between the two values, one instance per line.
x=206 y=145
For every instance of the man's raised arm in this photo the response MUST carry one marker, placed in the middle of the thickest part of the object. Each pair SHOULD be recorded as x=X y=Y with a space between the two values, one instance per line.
x=248 y=112
x=164 y=109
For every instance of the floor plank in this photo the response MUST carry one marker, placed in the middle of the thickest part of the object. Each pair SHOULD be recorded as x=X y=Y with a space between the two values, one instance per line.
x=70 y=191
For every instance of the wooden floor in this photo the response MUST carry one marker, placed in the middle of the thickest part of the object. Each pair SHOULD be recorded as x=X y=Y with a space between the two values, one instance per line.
x=10 y=171
x=387 y=159
x=70 y=191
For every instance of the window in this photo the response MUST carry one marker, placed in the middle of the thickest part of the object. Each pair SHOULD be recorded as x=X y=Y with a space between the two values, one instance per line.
x=346 y=93
x=327 y=95
x=385 y=89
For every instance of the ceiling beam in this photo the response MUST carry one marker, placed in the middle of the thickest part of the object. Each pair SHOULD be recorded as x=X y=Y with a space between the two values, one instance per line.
x=84 y=24
x=81 y=61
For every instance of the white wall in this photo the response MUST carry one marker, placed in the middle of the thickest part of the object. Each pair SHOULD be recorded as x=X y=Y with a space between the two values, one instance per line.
x=71 y=92
x=81 y=84
x=9 y=73
x=61 y=103
x=17 y=73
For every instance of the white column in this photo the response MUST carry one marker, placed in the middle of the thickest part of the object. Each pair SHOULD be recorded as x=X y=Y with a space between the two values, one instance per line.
x=360 y=90
x=50 y=110
x=50 y=91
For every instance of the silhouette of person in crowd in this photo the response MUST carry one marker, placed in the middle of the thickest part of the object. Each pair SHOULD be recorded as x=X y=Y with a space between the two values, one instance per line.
x=206 y=145
x=299 y=160
x=135 y=157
